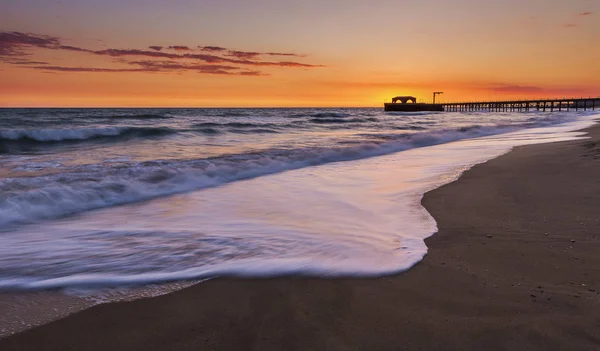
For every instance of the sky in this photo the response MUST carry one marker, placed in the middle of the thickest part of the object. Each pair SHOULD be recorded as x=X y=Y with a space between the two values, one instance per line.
x=310 y=53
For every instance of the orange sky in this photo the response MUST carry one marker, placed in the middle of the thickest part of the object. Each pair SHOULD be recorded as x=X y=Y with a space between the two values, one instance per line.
x=283 y=53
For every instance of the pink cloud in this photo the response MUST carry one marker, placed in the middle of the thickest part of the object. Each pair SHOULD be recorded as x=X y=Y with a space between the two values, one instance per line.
x=212 y=48
x=243 y=54
x=179 y=48
x=14 y=48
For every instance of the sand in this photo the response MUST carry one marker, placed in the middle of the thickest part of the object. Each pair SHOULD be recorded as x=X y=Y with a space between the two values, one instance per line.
x=515 y=266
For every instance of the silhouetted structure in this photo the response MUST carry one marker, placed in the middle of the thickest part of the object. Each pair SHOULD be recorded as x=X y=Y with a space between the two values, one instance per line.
x=404 y=105
x=404 y=99
x=573 y=104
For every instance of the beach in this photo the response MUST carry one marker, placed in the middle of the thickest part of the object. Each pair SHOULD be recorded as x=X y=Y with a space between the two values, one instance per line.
x=513 y=266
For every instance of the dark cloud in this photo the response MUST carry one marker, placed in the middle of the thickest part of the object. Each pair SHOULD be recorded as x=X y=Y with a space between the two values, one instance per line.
x=507 y=88
x=252 y=73
x=180 y=48
x=175 y=66
x=71 y=48
x=206 y=58
x=162 y=66
x=90 y=69
x=202 y=57
x=13 y=43
x=18 y=38
x=284 y=54
x=570 y=25
x=21 y=61
x=217 y=60
x=135 y=52
x=243 y=54
x=246 y=54
x=587 y=13
x=212 y=48
x=155 y=67
x=279 y=64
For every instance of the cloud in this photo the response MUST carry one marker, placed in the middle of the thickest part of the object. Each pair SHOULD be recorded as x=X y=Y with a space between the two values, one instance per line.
x=205 y=58
x=18 y=38
x=217 y=60
x=179 y=48
x=284 y=54
x=280 y=64
x=587 y=13
x=21 y=61
x=243 y=54
x=212 y=48
x=202 y=57
x=507 y=88
x=71 y=48
x=174 y=66
x=89 y=69
x=155 y=67
x=13 y=43
x=135 y=52
x=570 y=25
x=161 y=66
x=252 y=73
x=246 y=54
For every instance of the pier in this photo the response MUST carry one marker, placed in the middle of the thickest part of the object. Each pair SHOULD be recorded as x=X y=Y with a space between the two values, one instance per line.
x=564 y=104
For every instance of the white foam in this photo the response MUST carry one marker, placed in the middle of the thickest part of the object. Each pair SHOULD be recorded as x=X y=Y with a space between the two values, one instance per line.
x=360 y=218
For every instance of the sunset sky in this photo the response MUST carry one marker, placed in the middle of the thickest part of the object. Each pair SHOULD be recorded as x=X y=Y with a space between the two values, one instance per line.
x=221 y=53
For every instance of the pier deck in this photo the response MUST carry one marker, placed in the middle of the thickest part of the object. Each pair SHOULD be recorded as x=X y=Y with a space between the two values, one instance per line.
x=573 y=104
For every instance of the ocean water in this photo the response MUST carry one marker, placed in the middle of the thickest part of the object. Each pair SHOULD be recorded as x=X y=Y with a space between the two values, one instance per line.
x=96 y=198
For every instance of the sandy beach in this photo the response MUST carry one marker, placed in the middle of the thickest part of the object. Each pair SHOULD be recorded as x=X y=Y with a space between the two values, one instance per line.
x=515 y=266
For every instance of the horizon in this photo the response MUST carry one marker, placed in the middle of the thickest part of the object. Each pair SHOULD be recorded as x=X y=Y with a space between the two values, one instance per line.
x=277 y=107
x=268 y=54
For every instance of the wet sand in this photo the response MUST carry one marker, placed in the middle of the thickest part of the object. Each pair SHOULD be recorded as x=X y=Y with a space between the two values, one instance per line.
x=515 y=266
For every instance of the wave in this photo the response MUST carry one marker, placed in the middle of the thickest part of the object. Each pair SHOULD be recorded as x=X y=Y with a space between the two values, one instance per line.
x=77 y=134
x=26 y=200
x=234 y=114
x=231 y=124
x=254 y=131
x=313 y=114
x=328 y=115
x=213 y=128
x=341 y=120
x=210 y=131
x=140 y=116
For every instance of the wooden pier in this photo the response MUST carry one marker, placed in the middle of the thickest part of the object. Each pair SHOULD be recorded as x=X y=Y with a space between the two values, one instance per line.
x=573 y=104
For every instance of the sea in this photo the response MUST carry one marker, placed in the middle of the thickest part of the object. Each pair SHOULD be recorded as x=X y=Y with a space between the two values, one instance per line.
x=99 y=199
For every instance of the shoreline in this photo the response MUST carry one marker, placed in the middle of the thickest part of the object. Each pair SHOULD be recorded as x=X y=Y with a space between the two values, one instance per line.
x=494 y=281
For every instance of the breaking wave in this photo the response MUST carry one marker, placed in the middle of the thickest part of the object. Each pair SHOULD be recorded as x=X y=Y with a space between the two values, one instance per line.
x=342 y=120
x=77 y=134
x=142 y=116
